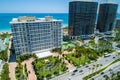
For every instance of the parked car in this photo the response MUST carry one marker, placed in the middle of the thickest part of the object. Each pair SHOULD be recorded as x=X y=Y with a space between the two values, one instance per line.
x=68 y=79
x=92 y=79
x=75 y=70
x=113 y=57
x=107 y=55
x=73 y=73
x=110 y=69
x=86 y=66
x=81 y=71
x=102 y=73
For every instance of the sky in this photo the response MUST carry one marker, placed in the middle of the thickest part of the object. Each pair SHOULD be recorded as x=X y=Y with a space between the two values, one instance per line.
x=37 y=6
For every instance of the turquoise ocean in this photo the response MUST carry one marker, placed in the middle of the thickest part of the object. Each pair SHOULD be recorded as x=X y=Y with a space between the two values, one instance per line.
x=5 y=18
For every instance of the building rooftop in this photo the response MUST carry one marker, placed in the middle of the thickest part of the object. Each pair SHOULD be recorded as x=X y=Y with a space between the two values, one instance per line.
x=84 y=0
x=108 y=2
x=45 y=54
x=118 y=19
x=28 y=19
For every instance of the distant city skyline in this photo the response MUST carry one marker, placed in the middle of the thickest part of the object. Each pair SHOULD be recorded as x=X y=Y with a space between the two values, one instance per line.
x=37 y=6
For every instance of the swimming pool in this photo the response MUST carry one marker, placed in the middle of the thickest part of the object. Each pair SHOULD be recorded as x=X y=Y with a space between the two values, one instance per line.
x=6 y=42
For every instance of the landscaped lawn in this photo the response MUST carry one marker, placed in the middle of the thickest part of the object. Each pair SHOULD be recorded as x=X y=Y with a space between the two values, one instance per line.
x=91 y=43
x=45 y=68
x=77 y=61
x=82 y=56
x=104 y=46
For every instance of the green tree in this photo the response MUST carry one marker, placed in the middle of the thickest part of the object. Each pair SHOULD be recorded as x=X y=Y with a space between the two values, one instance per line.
x=5 y=72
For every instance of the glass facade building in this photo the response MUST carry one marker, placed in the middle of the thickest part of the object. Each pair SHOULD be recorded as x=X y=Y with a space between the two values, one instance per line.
x=82 y=17
x=31 y=35
x=117 y=23
x=106 y=17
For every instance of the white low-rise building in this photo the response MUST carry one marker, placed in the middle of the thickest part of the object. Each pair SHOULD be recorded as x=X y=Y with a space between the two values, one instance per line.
x=1 y=65
x=1 y=45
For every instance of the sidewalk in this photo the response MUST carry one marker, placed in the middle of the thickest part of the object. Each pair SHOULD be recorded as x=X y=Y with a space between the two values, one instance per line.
x=31 y=75
x=12 y=67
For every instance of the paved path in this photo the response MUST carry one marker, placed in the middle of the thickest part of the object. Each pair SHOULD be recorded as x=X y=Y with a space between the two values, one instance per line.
x=12 y=67
x=68 y=65
x=31 y=75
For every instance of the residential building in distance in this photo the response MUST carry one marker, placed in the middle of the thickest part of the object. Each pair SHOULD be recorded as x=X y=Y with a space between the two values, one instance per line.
x=117 y=23
x=1 y=45
x=34 y=35
x=82 y=17
x=107 y=16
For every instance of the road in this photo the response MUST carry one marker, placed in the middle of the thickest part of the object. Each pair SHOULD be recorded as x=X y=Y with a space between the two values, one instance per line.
x=86 y=71
x=111 y=69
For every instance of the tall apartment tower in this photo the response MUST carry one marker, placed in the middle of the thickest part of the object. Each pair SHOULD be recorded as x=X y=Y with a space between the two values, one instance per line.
x=107 y=16
x=117 y=23
x=34 y=35
x=82 y=17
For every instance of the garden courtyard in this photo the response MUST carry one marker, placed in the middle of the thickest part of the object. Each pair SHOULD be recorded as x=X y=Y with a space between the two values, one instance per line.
x=81 y=56
x=48 y=68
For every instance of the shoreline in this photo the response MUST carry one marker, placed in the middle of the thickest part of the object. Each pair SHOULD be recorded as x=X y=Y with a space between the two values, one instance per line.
x=4 y=31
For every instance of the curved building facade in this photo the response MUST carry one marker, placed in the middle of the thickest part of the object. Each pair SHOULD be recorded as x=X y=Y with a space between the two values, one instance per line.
x=82 y=17
x=106 y=17
x=117 y=23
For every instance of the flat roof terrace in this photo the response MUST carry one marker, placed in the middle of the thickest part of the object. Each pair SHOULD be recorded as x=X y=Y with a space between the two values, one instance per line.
x=30 y=19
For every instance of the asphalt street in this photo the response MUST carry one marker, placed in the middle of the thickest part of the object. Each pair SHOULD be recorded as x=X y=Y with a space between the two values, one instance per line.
x=86 y=70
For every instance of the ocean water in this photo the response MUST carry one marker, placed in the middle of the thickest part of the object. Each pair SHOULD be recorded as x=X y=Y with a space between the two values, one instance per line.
x=5 y=18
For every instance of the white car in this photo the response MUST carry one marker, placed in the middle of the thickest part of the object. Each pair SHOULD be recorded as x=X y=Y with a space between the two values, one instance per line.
x=68 y=79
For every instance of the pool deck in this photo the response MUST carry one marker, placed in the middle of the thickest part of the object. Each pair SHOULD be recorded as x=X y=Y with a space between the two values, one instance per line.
x=6 y=41
x=65 y=45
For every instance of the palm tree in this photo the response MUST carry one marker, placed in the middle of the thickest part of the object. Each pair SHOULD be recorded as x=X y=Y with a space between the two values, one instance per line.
x=17 y=55
x=100 y=65
x=118 y=54
x=94 y=67
x=23 y=77
x=89 y=70
x=97 y=66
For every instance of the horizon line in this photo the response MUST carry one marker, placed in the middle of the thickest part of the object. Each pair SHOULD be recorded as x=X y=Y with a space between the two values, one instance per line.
x=38 y=13
x=33 y=12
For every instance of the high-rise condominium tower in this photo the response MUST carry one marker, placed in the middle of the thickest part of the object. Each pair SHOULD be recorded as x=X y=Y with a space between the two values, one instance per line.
x=34 y=35
x=82 y=17
x=107 y=16
x=117 y=23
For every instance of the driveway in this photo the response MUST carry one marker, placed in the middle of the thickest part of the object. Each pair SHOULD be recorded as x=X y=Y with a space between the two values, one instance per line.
x=31 y=75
